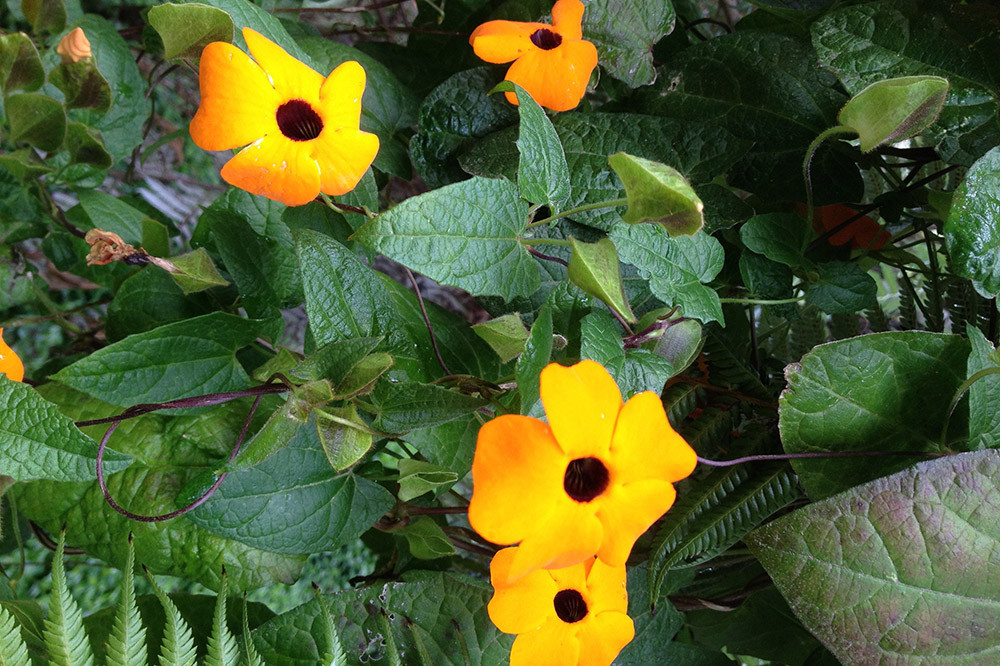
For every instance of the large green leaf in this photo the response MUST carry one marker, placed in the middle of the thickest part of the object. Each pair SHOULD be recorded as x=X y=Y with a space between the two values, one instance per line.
x=293 y=502
x=451 y=445
x=678 y=269
x=37 y=442
x=881 y=392
x=984 y=395
x=246 y=14
x=624 y=32
x=186 y=29
x=873 y=41
x=765 y=88
x=148 y=299
x=405 y=406
x=434 y=618
x=542 y=174
x=899 y=570
x=465 y=235
x=174 y=361
x=112 y=214
x=36 y=119
x=843 y=287
x=970 y=232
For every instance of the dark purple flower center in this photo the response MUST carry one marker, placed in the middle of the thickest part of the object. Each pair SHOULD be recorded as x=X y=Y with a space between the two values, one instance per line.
x=570 y=606
x=298 y=121
x=585 y=479
x=545 y=39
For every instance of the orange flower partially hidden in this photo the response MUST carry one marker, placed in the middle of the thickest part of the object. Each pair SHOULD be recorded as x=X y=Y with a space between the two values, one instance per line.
x=10 y=364
x=863 y=233
x=591 y=481
x=563 y=617
x=552 y=62
x=302 y=129
x=74 y=46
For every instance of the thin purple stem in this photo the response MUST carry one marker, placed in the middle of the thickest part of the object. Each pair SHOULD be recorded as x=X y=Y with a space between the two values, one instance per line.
x=427 y=321
x=546 y=257
x=831 y=454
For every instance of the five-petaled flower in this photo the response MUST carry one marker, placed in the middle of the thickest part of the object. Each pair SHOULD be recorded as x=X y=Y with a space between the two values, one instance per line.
x=302 y=129
x=591 y=481
x=563 y=617
x=863 y=233
x=10 y=364
x=552 y=63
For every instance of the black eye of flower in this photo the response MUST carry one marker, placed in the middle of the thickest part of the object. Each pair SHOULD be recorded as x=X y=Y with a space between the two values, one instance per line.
x=570 y=606
x=546 y=39
x=585 y=479
x=298 y=121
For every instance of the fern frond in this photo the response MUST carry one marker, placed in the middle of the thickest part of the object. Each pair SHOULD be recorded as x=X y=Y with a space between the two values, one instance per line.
x=727 y=368
x=65 y=639
x=13 y=651
x=716 y=511
x=391 y=651
x=710 y=431
x=250 y=655
x=679 y=400
x=178 y=645
x=222 y=648
x=127 y=643
x=334 y=655
x=806 y=332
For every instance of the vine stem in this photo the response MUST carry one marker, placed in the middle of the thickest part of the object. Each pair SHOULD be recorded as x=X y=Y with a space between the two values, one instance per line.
x=966 y=385
x=831 y=454
x=807 y=169
x=751 y=301
x=427 y=321
x=578 y=209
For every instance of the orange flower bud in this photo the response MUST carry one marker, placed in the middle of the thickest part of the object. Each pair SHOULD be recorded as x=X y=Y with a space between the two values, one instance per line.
x=10 y=364
x=74 y=47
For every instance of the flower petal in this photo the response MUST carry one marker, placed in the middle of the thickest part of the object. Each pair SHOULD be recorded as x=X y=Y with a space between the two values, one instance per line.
x=582 y=403
x=237 y=100
x=523 y=605
x=567 y=534
x=343 y=156
x=554 y=644
x=645 y=446
x=503 y=41
x=340 y=96
x=572 y=577
x=603 y=637
x=292 y=78
x=628 y=511
x=10 y=363
x=518 y=474
x=276 y=168
x=557 y=79
x=606 y=588
x=567 y=18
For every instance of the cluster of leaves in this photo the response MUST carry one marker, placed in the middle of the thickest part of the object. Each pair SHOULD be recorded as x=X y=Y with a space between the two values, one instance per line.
x=889 y=559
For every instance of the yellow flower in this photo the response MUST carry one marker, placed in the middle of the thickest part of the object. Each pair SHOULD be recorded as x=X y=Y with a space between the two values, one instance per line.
x=10 y=364
x=302 y=129
x=574 y=616
x=590 y=482
x=74 y=46
x=552 y=63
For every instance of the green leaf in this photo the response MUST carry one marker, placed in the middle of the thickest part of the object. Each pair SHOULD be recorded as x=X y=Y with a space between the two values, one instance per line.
x=426 y=539
x=654 y=631
x=972 y=238
x=13 y=651
x=121 y=127
x=187 y=29
x=65 y=639
x=601 y=341
x=766 y=279
x=843 y=288
x=343 y=444
x=222 y=649
x=293 y=502
x=41 y=443
x=542 y=173
x=778 y=236
x=36 y=119
x=20 y=66
x=505 y=335
x=892 y=110
x=624 y=32
x=680 y=344
x=334 y=361
x=450 y=445
x=593 y=267
x=869 y=42
x=678 y=269
x=45 y=15
x=765 y=88
x=150 y=298
x=537 y=353
x=464 y=235
x=658 y=193
x=82 y=85
x=417 y=477
x=899 y=569
x=126 y=645
x=984 y=418
x=713 y=512
x=179 y=360
x=405 y=406
x=112 y=214
x=198 y=272
x=86 y=147
x=723 y=207
x=246 y=14
x=440 y=616
x=334 y=655
x=177 y=648
x=881 y=392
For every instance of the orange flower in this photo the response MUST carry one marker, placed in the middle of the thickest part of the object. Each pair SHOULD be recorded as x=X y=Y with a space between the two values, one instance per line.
x=563 y=617
x=10 y=364
x=302 y=129
x=552 y=62
x=863 y=234
x=74 y=46
x=590 y=482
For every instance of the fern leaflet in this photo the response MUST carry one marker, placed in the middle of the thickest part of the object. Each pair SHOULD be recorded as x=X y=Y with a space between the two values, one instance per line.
x=127 y=642
x=178 y=645
x=13 y=651
x=65 y=638
x=334 y=655
x=222 y=649
x=250 y=655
